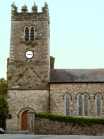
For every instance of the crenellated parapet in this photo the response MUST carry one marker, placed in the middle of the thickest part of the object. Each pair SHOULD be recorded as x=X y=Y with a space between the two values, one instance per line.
x=24 y=9
x=34 y=8
x=14 y=9
x=34 y=14
x=45 y=8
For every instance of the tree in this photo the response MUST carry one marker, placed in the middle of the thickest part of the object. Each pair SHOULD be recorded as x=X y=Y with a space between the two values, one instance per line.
x=3 y=103
x=3 y=87
x=3 y=111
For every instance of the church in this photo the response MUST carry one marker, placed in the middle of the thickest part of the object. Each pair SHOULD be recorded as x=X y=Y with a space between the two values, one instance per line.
x=35 y=86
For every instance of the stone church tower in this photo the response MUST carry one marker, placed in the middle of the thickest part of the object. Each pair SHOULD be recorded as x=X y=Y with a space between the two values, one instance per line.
x=28 y=65
x=33 y=83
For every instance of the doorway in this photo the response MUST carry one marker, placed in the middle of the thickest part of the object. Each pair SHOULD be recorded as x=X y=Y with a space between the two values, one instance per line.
x=27 y=120
x=24 y=120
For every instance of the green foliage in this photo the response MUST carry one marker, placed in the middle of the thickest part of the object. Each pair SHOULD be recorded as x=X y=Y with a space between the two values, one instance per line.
x=3 y=107
x=3 y=103
x=3 y=87
x=70 y=119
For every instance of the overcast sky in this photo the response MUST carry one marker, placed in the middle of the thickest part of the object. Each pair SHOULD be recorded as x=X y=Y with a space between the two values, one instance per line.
x=77 y=32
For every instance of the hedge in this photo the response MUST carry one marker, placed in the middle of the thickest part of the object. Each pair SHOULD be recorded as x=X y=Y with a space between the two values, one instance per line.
x=70 y=119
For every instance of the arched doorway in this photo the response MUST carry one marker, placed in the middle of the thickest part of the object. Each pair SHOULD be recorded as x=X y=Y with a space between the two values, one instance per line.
x=27 y=118
x=24 y=120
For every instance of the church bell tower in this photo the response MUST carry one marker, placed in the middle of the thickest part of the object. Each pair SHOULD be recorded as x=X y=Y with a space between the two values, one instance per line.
x=28 y=66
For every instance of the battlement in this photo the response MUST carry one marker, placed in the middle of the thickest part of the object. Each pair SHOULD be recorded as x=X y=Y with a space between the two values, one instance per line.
x=34 y=14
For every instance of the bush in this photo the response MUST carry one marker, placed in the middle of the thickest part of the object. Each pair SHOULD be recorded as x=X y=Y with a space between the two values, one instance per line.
x=3 y=103
x=71 y=119
x=3 y=87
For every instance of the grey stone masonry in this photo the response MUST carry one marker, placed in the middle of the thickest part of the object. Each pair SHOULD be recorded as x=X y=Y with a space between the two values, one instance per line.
x=28 y=78
x=24 y=73
x=58 y=91
x=21 y=100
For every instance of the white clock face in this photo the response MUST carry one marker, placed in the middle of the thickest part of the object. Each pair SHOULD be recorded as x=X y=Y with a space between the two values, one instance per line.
x=29 y=54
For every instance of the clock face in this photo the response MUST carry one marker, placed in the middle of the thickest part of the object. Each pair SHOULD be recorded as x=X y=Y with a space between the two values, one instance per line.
x=29 y=54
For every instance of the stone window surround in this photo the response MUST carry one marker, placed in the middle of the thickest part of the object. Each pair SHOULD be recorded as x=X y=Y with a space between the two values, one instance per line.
x=19 y=114
x=83 y=104
x=29 y=28
x=67 y=102
x=96 y=106
x=89 y=95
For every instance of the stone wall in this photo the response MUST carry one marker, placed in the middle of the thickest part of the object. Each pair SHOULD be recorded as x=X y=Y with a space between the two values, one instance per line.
x=22 y=100
x=45 y=126
x=58 y=91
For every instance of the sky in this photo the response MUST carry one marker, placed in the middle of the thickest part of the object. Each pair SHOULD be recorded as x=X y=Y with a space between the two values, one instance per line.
x=76 y=32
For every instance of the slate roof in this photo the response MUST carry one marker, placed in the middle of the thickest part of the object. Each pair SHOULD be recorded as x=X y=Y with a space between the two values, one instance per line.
x=76 y=75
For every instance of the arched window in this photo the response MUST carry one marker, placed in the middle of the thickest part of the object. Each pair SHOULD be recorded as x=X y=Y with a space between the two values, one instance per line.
x=26 y=34
x=67 y=104
x=32 y=33
x=82 y=104
x=98 y=104
x=86 y=104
